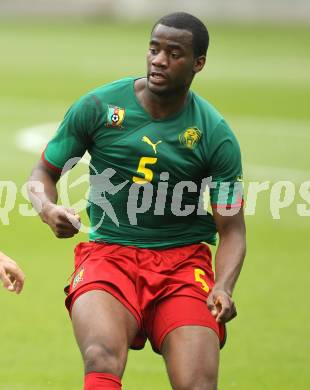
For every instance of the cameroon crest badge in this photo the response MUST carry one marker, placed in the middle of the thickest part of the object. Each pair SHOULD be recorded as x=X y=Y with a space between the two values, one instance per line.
x=115 y=116
x=78 y=277
x=190 y=137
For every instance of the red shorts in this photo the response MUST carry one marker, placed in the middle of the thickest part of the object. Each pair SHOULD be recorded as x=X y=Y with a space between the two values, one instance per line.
x=164 y=289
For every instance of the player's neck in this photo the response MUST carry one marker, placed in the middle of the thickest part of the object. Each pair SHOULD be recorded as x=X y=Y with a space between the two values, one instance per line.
x=159 y=106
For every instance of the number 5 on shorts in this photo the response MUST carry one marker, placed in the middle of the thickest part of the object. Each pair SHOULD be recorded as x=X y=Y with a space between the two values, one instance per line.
x=198 y=278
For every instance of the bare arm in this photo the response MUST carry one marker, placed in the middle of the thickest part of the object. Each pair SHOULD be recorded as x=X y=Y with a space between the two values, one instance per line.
x=11 y=275
x=63 y=221
x=228 y=263
x=49 y=178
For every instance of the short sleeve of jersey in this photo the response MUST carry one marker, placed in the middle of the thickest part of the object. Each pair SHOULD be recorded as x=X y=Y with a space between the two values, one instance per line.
x=225 y=168
x=74 y=133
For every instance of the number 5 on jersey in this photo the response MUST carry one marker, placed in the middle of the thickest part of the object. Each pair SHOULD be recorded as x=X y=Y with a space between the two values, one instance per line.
x=146 y=172
x=198 y=278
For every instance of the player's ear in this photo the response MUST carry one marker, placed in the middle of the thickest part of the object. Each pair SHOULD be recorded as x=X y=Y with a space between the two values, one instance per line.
x=199 y=63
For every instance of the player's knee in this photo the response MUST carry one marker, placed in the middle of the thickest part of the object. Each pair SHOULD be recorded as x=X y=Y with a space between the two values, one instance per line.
x=197 y=383
x=202 y=386
x=101 y=358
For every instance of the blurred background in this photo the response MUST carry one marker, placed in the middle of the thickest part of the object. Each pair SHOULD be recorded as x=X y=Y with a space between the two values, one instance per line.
x=257 y=75
x=244 y=10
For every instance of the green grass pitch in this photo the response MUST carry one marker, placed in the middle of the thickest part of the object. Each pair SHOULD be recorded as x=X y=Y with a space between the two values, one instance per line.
x=258 y=77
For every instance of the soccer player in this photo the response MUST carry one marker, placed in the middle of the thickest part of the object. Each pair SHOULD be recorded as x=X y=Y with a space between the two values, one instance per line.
x=146 y=271
x=11 y=275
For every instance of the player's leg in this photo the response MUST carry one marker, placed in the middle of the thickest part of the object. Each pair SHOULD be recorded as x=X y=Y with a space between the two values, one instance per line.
x=104 y=308
x=178 y=322
x=191 y=354
x=104 y=328
x=183 y=330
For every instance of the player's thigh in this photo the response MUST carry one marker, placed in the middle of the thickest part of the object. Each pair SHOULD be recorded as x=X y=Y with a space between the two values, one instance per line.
x=101 y=323
x=187 y=335
x=191 y=354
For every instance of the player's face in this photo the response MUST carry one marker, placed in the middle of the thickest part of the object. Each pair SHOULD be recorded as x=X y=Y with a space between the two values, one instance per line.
x=171 y=64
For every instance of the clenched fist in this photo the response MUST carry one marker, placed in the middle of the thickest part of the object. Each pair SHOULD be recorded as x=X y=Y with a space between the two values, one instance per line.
x=62 y=220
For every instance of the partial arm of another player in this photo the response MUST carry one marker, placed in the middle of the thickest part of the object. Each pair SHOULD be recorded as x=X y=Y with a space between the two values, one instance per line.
x=62 y=220
x=228 y=263
x=11 y=275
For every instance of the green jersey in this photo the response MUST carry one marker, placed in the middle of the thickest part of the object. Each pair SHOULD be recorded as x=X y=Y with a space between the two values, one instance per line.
x=148 y=176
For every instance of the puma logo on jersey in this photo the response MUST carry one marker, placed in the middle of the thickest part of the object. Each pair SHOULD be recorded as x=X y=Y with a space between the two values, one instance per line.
x=149 y=142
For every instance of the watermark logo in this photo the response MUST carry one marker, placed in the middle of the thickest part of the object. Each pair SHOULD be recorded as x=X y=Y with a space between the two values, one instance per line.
x=178 y=199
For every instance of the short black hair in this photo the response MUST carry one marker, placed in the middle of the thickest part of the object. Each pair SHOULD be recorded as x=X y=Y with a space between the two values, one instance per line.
x=185 y=21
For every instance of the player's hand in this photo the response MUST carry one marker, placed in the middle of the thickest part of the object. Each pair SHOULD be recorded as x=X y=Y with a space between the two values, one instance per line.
x=11 y=275
x=221 y=305
x=63 y=221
